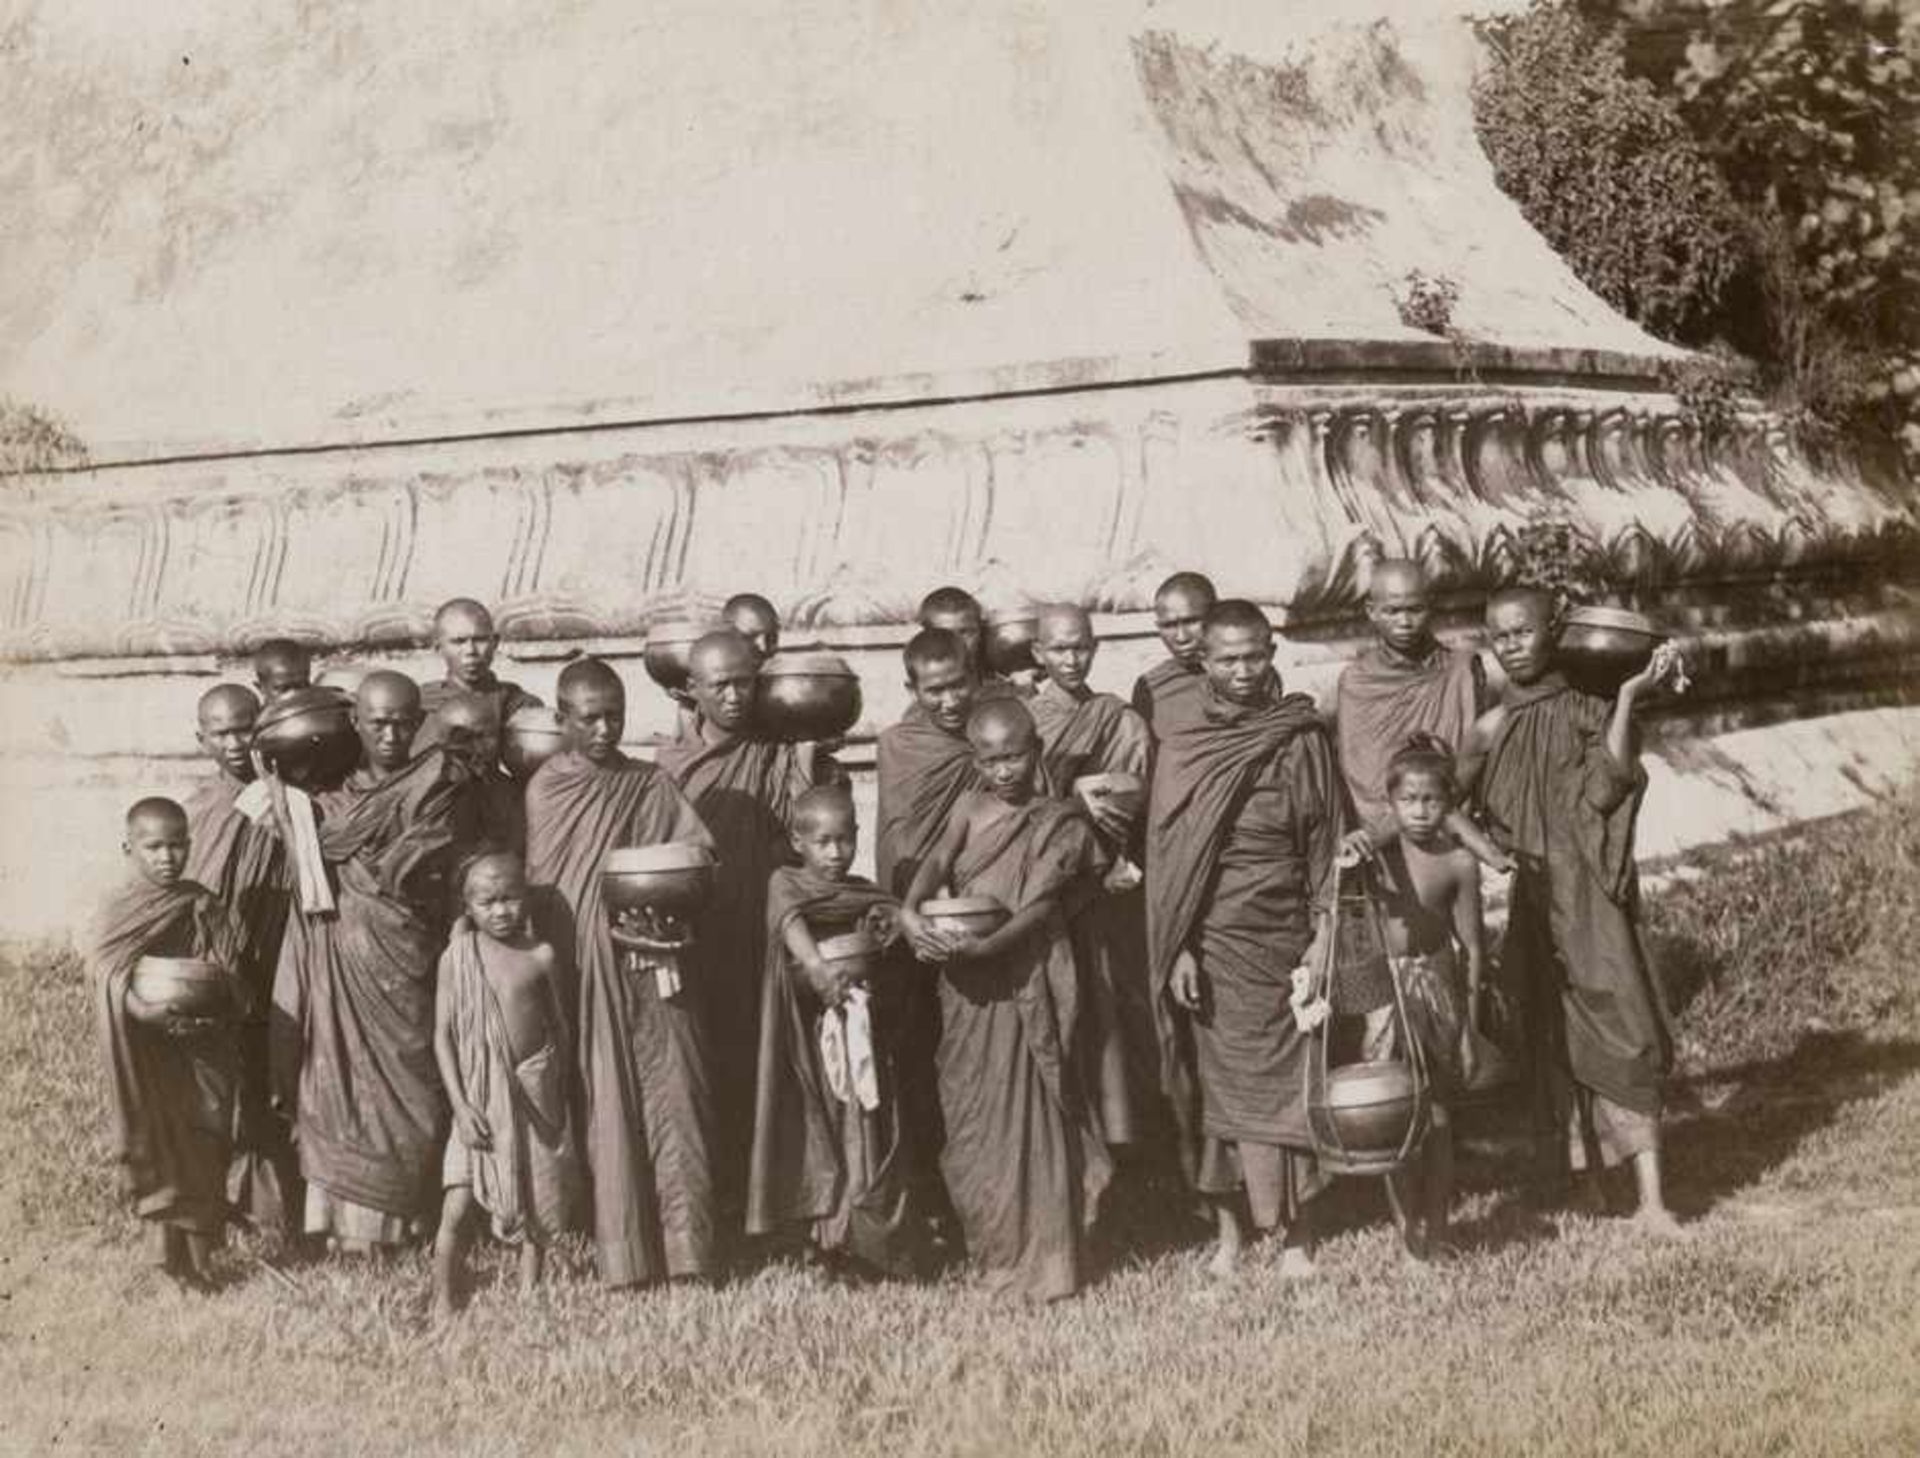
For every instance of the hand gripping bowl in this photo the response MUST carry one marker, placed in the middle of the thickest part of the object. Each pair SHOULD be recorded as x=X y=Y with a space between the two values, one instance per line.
x=190 y=986
x=669 y=651
x=976 y=916
x=1011 y=633
x=807 y=697
x=307 y=736
x=674 y=878
x=533 y=736
x=1126 y=793
x=853 y=957
x=1602 y=647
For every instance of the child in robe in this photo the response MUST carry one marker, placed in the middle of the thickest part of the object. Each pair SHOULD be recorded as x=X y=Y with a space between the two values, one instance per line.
x=1024 y=1162
x=1557 y=776
x=280 y=666
x=504 y=1047
x=172 y=1076
x=1427 y=885
x=829 y=1143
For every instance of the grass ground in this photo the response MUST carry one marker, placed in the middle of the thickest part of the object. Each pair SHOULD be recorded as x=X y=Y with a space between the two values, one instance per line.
x=1789 y=1321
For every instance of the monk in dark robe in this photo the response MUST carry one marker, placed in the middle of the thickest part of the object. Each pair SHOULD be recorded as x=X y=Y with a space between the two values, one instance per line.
x=239 y=858
x=1024 y=1161
x=829 y=1144
x=280 y=666
x=1086 y=733
x=1243 y=826
x=466 y=640
x=1406 y=683
x=753 y=618
x=1558 y=778
x=172 y=1077
x=492 y=814
x=1180 y=605
x=643 y=1056
x=743 y=789
x=353 y=998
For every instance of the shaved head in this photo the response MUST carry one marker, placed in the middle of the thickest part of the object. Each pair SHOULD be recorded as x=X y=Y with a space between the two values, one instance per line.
x=157 y=840
x=720 y=651
x=386 y=688
x=227 y=701
x=1001 y=721
x=156 y=811
x=723 y=677
x=1392 y=575
x=753 y=618
x=1189 y=584
x=593 y=709
x=934 y=645
x=1400 y=608
x=1533 y=599
x=1180 y=606
x=589 y=674
x=462 y=613
x=822 y=803
x=1058 y=619
x=1236 y=614
x=1064 y=645
x=225 y=720
x=280 y=666
x=947 y=602
x=386 y=715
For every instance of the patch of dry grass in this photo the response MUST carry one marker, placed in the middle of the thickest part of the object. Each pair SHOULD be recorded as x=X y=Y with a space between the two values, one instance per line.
x=1786 y=1323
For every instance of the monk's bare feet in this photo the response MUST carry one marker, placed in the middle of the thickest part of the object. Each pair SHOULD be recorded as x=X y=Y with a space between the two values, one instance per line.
x=1228 y=1248
x=1658 y=1223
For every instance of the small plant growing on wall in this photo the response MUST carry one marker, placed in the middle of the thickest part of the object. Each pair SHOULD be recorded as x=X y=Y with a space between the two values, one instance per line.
x=33 y=440
x=1425 y=302
x=1556 y=557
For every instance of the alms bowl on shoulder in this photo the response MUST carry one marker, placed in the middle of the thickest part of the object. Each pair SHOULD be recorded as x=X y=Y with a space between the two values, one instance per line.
x=974 y=916
x=533 y=736
x=1011 y=633
x=190 y=986
x=674 y=878
x=307 y=736
x=807 y=697
x=669 y=651
x=1600 y=648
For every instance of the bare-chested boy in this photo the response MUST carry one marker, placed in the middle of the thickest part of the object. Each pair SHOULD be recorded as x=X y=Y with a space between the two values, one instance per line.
x=1557 y=774
x=505 y=1052
x=753 y=618
x=280 y=666
x=830 y=1144
x=1180 y=606
x=243 y=863
x=171 y=1076
x=1087 y=733
x=1024 y=1162
x=643 y=1055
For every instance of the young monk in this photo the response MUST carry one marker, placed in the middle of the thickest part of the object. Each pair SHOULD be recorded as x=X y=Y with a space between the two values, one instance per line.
x=1558 y=778
x=171 y=1077
x=1180 y=605
x=242 y=863
x=505 y=1052
x=353 y=996
x=1024 y=1163
x=1087 y=733
x=743 y=789
x=1243 y=825
x=753 y=618
x=492 y=813
x=280 y=666
x=643 y=1057
x=1405 y=683
x=829 y=1142
x=1427 y=884
x=466 y=640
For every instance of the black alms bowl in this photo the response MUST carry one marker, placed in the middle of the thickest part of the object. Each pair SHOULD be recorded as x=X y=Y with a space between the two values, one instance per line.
x=806 y=697
x=307 y=736
x=1600 y=648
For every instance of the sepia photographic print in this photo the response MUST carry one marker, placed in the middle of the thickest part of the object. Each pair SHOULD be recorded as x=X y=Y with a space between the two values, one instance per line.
x=865 y=727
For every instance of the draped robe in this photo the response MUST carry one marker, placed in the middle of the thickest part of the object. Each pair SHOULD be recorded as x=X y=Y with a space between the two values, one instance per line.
x=838 y=1166
x=170 y=1099
x=922 y=771
x=1098 y=734
x=1243 y=824
x=1168 y=684
x=353 y=1002
x=1023 y=1160
x=1597 y=1012
x=645 y=1090
x=743 y=790
x=1381 y=700
x=243 y=864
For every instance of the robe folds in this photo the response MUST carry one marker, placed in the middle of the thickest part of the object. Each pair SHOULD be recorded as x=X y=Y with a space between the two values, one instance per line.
x=743 y=790
x=170 y=1099
x=1168 y=684
x=243 y=864
x=530 y=1178
x=1024 y=1161
x=504 y=698
x=1243 y=825
x=1596 y=1008
x=353 y=1000
x=841 y=1168
x=1381 y=700
x=645 y=1090
x=1118 y=1051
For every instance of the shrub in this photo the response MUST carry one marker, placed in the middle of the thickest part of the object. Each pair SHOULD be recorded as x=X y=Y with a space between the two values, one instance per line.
x=33 y=440
x=1604 y=166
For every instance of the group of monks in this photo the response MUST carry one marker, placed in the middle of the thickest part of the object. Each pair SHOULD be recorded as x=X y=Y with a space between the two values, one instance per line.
x=434 y=1018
